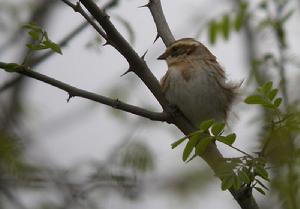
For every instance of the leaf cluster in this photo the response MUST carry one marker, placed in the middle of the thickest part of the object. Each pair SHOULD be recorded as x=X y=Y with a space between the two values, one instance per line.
x=245 y=172
x=227 y=24
x=40 y=39
x=265 y=96
x=209 y=131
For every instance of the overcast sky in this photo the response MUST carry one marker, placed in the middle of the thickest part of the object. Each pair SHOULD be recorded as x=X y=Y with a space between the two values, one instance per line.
x=90 y=131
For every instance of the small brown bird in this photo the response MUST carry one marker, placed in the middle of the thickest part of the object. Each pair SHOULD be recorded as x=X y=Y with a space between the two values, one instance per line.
x=196 y=83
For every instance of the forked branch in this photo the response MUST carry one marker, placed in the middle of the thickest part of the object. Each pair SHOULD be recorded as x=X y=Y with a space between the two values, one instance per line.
x=212 y=155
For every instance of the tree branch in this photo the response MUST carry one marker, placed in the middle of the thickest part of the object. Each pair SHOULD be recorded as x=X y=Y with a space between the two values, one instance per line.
x=163 y=29
x=212 y=155
x=137 y=64
x=76 y=92
x=37 y=60
x=77 y=8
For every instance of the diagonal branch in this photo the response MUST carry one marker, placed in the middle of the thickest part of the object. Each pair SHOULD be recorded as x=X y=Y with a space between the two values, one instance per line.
x=76 y=92
x=163 y=29
x=77 y=8
x=212 y=155
x=137 y=64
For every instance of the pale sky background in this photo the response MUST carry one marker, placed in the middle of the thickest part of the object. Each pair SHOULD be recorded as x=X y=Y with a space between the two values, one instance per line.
x=93 y=134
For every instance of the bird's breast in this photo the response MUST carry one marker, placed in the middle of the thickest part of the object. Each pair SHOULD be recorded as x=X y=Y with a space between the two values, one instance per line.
x=195 y=93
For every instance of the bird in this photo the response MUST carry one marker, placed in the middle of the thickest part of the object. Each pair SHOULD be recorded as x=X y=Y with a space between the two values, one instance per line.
x=195 y=83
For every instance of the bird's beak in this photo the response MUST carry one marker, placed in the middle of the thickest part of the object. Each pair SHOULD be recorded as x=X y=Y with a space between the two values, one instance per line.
x=163 y=56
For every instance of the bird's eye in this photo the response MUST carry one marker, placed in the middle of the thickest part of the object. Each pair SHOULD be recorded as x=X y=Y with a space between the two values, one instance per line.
x=176 y=51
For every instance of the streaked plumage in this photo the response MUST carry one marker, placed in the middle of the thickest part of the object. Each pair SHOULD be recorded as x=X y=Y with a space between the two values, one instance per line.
x=196 y=83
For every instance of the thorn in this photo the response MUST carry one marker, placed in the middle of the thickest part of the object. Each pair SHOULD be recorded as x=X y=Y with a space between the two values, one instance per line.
x=146 y=5
x=106 y=43
x=143 y=56
x=77 y=7
x=157 y=36
x=127 y=71
x=69 y=98
x=107 y=16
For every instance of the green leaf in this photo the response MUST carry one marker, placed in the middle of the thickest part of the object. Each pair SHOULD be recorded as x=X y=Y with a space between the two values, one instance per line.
x=259 y=99
x=237 y=183
x=228 y=182
x=36 y=47
x=272 y=94
x=278 y=102
x=10 y=67
x=244 y=176
x=46 y=36
x=190 y=146
x=53 y=46
x=254 y=99
x=260 y=190
x=202 y=145
x=225 y=26
x=238 y=22
x=262 y=172
x=178 y=142
x=241 y=16
x=34 y=35
x=213 y=31
x=266 y=88
x=217 y=128
x=205 y=125
x=229 y=139
x=33 y=27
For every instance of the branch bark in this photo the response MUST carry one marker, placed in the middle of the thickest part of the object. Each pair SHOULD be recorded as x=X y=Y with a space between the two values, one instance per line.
x=212 y=156
x=37 y=60
x=163 y=29
x=76 y=92
x=137 y=64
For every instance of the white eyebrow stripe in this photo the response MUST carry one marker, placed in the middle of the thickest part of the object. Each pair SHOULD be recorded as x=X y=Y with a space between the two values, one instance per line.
x=185 y=43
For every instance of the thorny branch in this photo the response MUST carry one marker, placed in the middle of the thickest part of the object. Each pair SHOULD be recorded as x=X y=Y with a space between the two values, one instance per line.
x=163 y=29
x=64 y=42
x=212 y=155
x=76 y=92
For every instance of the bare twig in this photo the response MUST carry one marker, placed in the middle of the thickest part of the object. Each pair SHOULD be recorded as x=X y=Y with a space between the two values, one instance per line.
x=37 y=60
x=77 y=8
x=163 y=29
x=71 y=34
x=76 y=92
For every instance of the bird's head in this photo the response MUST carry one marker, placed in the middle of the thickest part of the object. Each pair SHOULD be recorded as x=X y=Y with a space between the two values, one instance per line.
x=186 y=48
